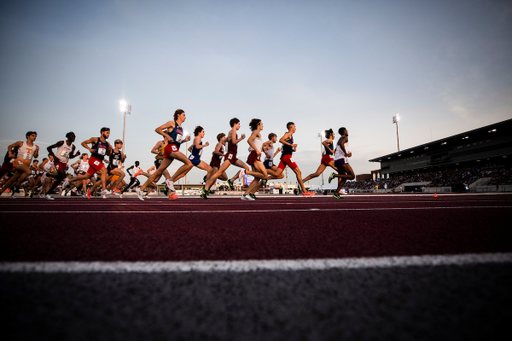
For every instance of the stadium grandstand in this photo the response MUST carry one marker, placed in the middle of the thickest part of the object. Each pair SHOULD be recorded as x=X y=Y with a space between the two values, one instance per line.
x=476 y=160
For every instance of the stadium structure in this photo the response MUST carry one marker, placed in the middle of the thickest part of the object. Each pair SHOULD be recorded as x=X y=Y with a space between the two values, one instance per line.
x=488 y=147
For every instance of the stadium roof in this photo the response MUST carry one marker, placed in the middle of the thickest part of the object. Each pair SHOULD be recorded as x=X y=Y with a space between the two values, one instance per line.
x=500 y=128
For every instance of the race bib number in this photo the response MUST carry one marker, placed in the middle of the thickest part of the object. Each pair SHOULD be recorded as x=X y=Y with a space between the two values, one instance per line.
x=102 y=151
x=230 y=156
x=179 y=138
x=64 y=153
x=291 y=160
x=174 y=148
x=26 y=156
x=191 y=157
x=115 y=162
x=96 y=163
x=271 y=163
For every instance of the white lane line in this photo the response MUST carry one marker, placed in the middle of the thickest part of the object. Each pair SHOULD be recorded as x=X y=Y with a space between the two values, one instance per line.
x=254 y=265
x=258 y=210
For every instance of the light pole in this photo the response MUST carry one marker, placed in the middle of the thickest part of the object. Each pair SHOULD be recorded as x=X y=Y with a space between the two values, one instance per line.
x=395 y=121
x=126 y=109
x=321 y=154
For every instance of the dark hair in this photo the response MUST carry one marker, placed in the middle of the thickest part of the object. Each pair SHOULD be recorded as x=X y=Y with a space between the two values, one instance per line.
x=84 y=154
x=254 y=124
x=178 y=112
x=221 y=135
x=104 y=129
x=289 y=124
x=45 y=158
x=271 y=135
x=197 y=130
x=328 y=133
x=69 y=134
x=35 y=161
x=137 y=162
x=30 y=133
x=340 y=131
x=233 y=121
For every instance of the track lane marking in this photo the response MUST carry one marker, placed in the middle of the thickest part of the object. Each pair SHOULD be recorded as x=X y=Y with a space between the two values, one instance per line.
x=257 y=210
x=255 y=265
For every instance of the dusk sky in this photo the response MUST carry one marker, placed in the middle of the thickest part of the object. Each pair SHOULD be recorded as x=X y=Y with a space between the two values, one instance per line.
x=444 y=66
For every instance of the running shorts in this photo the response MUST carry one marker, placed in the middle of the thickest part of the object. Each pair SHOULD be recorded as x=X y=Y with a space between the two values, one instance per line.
x=326 y=159
x=170 y=148
x=60 y=166
x=253 y=157
x=268 y=164
x=94 y=165
x=287 y=160
x=195 y=160
x=340 y=162
x=231 y=157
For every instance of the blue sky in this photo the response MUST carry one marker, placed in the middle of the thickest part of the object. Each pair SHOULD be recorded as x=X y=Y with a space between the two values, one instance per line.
x=445 y=66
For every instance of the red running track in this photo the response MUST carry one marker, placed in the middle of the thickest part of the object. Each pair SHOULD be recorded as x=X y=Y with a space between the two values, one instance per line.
x=75 y=229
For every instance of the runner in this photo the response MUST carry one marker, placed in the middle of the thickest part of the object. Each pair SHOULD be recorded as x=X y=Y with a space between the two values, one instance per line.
x=49 y=172
x=217 y=156
x=99 y=149
x=116 y=158
x=345 y=171
x=287 y=160
x=327 y=159
x=21 y=165
x=254 y=159
x=65 y=151
x=268 y=148
x=175 y=139
x=196 y=150
x=81 y=167
x=134 y=182
x=159 y=149
x=230 y=159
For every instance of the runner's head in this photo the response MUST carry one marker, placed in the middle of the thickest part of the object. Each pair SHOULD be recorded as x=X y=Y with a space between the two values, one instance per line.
x=105 y=132
x=220 y=136
x=255 y=122
x=137 y=163
x=291 y=127
x=199 y=130
x=328 y=133
x=272 y=137
x=179 y=113
x=85 y=156
x=343 y=131
x=71 y=136
x=118 y=144
x=234 y=121
x=35 y=162
x=31 y=135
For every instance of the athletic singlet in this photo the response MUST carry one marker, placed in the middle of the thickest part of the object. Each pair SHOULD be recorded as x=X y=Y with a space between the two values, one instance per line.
x=339 y=154
x=233 y=147
x=63 y=152
x=328 y=151
x=177 y=134
x=270 y=153
x=84 y=166
x=258 y=143
x=115 y=159
x=48 y=166
x=196 y=153
x=135 y=171
x=26 y=152
x=287 y=150
x=218 y=158
x=99 y=149
x=160 y=155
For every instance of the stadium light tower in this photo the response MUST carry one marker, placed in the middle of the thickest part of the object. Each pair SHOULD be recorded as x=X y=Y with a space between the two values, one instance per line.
x=126 y=109
x=395 y=121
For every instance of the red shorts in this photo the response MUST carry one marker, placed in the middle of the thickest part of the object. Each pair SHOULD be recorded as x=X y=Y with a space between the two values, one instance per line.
x=170 y=148
x=253 y=157
x=287 y=160
x=215 y=164
x=326 y=159
x=231 y=157
x=95 y=165
x=60 y=166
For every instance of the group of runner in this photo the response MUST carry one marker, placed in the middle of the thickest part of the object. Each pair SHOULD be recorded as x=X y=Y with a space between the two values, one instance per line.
x=259 y=164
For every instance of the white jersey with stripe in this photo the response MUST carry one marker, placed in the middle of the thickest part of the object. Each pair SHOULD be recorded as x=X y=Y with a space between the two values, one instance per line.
x=338 y=153
x=258 y=143
x=48 y=166
x=84 y=166
x=63 y=152
x=270 y=153
x=26 y=152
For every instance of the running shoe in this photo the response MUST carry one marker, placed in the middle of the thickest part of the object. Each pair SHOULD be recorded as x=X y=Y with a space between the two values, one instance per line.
x=264 y=183
x=308 y=194
x=116 y=190
x=170 y=185
x=230 y=184
x=120 y=195
x=331 y=177
x=203 y=196
x=139 y=194
x=41 y=195
x=146 y=196
x=49 y=197
x=15 y=189
x=253 y=196
x=173 y=196
x=88 y=194
x=65 y=183
x=204 y=191
x=337 y=196
x=105 y=193
x=246 y=197
x=241 y=176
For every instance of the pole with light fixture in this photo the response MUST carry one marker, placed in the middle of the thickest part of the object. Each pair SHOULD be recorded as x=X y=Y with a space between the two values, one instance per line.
x=395 y=121
x=126 y=109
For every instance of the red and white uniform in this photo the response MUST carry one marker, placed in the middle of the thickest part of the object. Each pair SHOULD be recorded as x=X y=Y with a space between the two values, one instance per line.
x=253 y=156
x=63 y=156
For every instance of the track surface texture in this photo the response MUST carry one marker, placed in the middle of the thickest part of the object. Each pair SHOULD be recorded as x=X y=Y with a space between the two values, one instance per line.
x=362 y=268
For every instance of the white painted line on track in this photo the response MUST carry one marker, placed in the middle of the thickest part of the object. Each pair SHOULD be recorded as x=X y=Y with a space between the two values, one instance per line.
x=259 y=210
x=255 y=265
